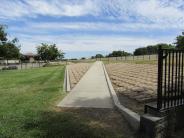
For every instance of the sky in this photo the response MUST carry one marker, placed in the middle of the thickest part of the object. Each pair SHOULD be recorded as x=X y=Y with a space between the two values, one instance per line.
x=82 y=28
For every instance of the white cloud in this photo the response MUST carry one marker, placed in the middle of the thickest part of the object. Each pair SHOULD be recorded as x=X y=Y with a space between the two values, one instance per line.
x=13 y=9
x=35 y=28
x=161 y=12
x=118 y=15
x=136 y=11
x=89 y=43
x=100 y=26
x=31 y=8
x=145 y=8
x=61 y=8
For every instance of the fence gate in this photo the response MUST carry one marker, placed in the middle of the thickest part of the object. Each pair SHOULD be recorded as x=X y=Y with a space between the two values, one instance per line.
x=170 y=91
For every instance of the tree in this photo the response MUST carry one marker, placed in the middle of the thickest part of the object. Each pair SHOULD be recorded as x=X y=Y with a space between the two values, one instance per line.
x=83 y=58
x=9 y=49
x=151 y=49
x=24 y=58
x=167 y=46
x=141 y=51
x=180 y=41
x=49 y=52
x=92 y=57
x=3 y=34
x=118 y=53
x=99 y=56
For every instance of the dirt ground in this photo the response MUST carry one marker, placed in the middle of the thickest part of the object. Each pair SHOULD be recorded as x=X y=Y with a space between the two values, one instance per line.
x=102 y=122
x=76 y=71
x=135 y=84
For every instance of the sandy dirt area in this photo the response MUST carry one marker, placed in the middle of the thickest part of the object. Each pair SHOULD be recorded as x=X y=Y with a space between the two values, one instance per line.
x=76 y=71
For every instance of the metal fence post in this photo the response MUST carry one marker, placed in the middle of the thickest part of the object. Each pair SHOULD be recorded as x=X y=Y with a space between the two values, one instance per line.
x=160 y=72
x=21 y=64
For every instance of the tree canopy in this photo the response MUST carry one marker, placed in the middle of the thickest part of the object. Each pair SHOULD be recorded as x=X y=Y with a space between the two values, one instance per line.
x=151 y=49
x=9 y=49
x=99 y=56
x=118 y=53
x=180 y=41
x=3 y=34
x=49 y=52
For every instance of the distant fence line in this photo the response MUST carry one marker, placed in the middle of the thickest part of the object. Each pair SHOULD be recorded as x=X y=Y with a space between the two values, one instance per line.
x=131 y=58
x=36 y=64
x=122 y=58
x=5 y=61
x=25 y=65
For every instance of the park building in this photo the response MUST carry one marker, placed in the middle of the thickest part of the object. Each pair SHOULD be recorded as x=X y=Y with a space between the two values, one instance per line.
x=28 y=57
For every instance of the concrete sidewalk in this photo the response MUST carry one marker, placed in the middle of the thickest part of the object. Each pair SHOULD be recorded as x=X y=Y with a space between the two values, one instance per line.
x=91 y=91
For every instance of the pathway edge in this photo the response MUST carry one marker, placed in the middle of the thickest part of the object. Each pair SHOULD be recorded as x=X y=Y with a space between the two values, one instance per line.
x=132 y=117
x=66 y=83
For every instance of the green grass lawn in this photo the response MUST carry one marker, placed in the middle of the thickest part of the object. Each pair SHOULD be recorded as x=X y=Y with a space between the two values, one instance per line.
x=27 y=109
x=25 y=95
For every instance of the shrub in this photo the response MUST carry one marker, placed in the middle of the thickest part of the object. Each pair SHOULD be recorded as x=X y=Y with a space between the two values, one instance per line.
x=10 y=68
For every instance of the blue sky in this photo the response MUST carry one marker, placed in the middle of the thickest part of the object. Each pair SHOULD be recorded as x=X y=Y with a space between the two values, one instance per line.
x=85 y=27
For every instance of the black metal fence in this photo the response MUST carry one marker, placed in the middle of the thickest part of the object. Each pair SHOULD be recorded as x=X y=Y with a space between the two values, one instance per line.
x=170 y=92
